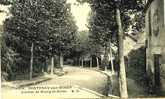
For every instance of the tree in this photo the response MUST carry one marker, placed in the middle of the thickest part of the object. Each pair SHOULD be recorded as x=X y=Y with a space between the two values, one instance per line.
x=5 y=59
x=122 y=73
x=126 y=5
x=28 y=25
x=63 y=31
x=110 y=20
x=0 y=51
x=102 y=27
x=44 y=27
x=6 y=2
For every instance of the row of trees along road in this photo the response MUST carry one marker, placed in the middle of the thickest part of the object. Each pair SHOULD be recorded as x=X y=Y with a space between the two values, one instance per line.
x=110 y=19
x=37 y=31
x=46 y=28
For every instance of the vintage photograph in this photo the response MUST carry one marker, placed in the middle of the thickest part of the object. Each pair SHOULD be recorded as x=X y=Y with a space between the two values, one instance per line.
x=82 y=49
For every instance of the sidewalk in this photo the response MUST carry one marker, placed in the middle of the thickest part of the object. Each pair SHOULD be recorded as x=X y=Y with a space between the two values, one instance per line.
x=24 y=83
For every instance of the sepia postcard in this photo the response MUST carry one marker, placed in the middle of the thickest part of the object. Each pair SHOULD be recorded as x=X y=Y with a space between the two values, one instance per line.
x=82 y=49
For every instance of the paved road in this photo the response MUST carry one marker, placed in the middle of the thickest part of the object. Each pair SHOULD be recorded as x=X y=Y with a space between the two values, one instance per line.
x=82 y=77
x=81 y=83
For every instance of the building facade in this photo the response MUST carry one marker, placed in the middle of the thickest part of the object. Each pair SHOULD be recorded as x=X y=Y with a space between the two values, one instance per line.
x=155 y=44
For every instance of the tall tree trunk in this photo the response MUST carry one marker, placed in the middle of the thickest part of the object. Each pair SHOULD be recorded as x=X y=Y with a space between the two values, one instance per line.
x=105 y=59
x=1 y=42
x=91 y=62
x=52 y=66
x=61 y=61
x=101 y=61
x=0 y=58
x=79 y=62
x=111 y=57
x=45 y=65
x=105 y=69
x=122 y=73
x=42 y=69
x=82 y=62
x=31 y=62
x=97 y=62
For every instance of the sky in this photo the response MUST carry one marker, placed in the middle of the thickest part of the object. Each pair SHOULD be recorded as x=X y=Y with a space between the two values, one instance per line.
x=80 y=13
x=3 y=13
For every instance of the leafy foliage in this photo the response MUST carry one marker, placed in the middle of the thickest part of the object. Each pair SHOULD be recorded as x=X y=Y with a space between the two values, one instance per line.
x=102 y=23
x=62 y=35
x=6 y=2
x=48 y=24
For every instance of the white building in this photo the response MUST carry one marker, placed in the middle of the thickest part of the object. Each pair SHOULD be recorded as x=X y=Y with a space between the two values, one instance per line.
x=155 y=52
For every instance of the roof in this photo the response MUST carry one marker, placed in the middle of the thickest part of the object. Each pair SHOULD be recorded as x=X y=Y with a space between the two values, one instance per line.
x=131 y=36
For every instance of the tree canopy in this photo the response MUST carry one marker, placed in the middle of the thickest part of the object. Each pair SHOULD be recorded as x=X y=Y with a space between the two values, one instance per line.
x=102 y=23
x=48 y=24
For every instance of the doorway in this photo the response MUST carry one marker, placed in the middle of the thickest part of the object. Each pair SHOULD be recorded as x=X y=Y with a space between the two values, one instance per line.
x=157 y=64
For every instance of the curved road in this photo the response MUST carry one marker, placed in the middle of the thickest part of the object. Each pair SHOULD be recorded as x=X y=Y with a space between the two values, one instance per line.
x=83 y=77
x=89 y=84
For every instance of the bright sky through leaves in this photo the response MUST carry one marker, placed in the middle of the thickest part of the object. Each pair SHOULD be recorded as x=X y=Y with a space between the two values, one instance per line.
x=80 y=13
